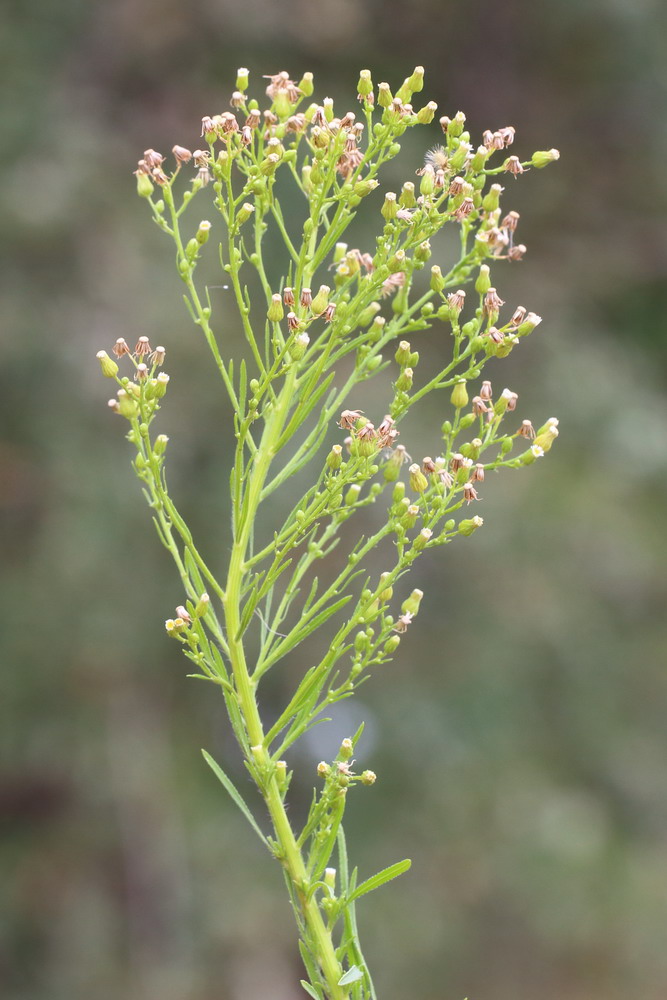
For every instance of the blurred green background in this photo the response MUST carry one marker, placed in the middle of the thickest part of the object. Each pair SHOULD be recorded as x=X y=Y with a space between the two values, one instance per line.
x=520 y=737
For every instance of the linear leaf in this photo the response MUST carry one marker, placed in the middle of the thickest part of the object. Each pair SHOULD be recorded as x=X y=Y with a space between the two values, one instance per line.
x=233 y=792
x=386 y=875
x=310 y=991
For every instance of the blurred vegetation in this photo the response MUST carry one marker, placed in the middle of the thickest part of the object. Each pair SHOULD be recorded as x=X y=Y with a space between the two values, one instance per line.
x=531 y=794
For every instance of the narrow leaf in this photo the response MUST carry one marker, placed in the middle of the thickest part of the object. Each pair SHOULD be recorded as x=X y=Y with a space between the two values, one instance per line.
x=233 y=792
x=386 y=875
x=310 y=991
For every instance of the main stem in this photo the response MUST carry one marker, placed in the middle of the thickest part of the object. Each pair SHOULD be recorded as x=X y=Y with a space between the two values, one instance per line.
x=290 y=852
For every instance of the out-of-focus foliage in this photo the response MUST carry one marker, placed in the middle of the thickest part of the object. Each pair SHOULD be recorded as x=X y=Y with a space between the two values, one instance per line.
x=531 y=795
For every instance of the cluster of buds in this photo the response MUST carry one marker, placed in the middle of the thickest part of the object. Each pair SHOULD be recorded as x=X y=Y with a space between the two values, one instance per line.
x=366 y=439
x=152 y=385
x=180 y=627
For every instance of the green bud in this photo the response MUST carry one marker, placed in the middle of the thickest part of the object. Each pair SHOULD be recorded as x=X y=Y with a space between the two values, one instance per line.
x=506 y=445
x=423 y=252
x=391 y=645
x=306 y=85
x=275 y=312
x=416 y=81
x=244 y=213
x=491 y=200
x=403 y=353
x=335 y=457
x=389 y=209
x=162 y=382
x=544 y=157
x=455 y=127
x=127 y=407
x=299 y=346
x=365 y=85
x=422 y=539
x=418 y=481
x=368 y=314
x=339 y=252
x=427 y=182
x=242 y=77
x=360 y=642
x=396 y=262
x=320 y=300
x=364 y=187
x=459 y=397
x=410 y=605
x=483 y=282
x=107 y=364
x=398 y=492
x=470 y=524
x=458 y=158
x=407 y=198
x=530 y=322
x=144 y=185
x=346 y=750
x=392 y=468
x=306 y=177
x=479 y=159
x=385 y=96
x=409 y=517
x=471 y=449
x=160 y=445
x=426 y=114
x=404 y=381
x=352 y=494
x=446 y=428
x=467 y=420
x=437 y=279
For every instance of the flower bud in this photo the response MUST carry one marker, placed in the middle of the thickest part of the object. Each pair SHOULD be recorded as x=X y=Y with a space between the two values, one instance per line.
x=544 y=157
x=368 y=777
x=528 y=325
x=389 y=209
x=459 y=397
x=385 y=96
x=388 y=592
x=107 y=364
x=418 y=481
x=320 y=301
x=244 y=213
x=346 y=749
x=160 y=445
x=407 y=198
x=161 y=387
x=403 y=353
x=306 y=85
x=275 y=311
x=409 y=516
x=470 y=524
x=422 y=539
x=427 y=182
x=410 y=605
x=323 y=769
x=398 y=492
x=404 y=381
x=426 y=114
x=144 y=185
x=391 y=645
x=437 y=279
x=335 y=457
x=365 y=85
x=483 y=282
x=352 y=494
x=242 y=77
x=369 y=313
x=299 y=346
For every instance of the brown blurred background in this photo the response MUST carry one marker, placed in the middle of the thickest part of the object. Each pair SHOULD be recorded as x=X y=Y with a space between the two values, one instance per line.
x=520 y=737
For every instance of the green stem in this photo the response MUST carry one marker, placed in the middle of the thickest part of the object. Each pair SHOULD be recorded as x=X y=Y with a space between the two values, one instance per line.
x=321 y=938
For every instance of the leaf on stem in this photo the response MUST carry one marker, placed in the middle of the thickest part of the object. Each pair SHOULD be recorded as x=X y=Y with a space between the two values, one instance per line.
x=375 y=881
x=235 y=795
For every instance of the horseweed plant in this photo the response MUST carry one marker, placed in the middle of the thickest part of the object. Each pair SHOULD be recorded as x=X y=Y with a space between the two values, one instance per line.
x=286 y=401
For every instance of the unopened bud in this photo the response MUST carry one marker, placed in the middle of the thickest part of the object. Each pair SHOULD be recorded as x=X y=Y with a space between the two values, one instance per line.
x=470 y=524
x=459 y=397
x=107 y=364
x=320 y=301
x=410 y=605
x=389 y=209
x=203 y=232
x=544 y=157
x=368 y=777
x=418 y=481
x=335 y=457
x=242 y=77
x=404 y=381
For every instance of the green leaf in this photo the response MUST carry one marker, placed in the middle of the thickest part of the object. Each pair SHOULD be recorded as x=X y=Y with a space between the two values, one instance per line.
x=310 y=991
x=352 y=975
x=386 y=875
x=233 y=792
